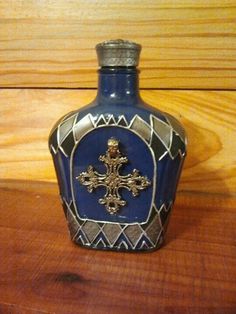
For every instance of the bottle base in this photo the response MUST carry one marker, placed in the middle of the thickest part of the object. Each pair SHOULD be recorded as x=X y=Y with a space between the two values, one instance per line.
x=121 y=248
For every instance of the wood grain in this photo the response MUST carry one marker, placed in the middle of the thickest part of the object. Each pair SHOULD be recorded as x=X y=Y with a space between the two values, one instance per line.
x=26 y=117
x=43 y=272
x=187 y=44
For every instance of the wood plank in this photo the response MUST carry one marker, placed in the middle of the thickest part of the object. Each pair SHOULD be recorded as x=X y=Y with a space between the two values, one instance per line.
x=209 y=118
x=187 y=44
x=43 y=272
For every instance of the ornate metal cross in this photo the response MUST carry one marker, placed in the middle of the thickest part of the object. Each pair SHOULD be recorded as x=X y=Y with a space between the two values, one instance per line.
x=112 y=180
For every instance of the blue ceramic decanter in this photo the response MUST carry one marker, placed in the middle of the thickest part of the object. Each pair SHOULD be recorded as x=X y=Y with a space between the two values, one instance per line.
x=118 y=160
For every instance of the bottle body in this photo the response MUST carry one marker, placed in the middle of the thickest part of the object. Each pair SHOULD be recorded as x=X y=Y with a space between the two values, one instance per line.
x=118 y=160
x=118 y=197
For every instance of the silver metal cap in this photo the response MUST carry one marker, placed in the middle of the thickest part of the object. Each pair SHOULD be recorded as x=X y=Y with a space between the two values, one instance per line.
x=118 y=52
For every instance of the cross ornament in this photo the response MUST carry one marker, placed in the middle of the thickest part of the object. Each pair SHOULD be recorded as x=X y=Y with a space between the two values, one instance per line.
x=112 y=180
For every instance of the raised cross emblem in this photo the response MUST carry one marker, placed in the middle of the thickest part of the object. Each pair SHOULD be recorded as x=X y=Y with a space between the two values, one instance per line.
x=112 y=180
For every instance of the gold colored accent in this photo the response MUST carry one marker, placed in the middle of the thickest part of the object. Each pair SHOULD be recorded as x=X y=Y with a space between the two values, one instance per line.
x=112 y=180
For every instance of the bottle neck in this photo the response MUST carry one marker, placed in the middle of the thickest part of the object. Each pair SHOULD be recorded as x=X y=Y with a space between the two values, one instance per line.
x=118 y=85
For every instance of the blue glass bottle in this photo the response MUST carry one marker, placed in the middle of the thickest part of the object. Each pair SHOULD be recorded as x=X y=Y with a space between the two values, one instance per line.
x=118 y=160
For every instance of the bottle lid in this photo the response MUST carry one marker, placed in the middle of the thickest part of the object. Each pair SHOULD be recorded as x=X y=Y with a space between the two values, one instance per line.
x=118 y=52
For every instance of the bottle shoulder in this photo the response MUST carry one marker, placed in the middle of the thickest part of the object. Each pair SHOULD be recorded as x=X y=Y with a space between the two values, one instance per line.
x=96 y=110
x=141 y=118
x=112 y=114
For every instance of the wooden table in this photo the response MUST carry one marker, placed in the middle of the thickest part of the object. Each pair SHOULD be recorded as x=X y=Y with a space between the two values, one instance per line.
x=42 y=271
